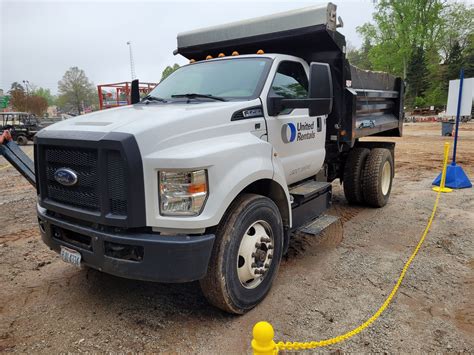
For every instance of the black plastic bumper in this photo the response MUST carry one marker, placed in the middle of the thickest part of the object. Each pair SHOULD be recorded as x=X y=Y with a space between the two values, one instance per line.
x=140 y=256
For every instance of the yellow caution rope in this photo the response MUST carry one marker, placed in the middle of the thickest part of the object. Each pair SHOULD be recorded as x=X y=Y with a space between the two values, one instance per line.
x=263 y=332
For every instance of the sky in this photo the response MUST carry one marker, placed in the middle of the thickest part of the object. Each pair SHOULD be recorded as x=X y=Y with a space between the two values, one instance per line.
x=40 y=40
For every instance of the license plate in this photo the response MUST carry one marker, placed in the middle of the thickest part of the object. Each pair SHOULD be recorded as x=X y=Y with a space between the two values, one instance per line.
x=71 y=256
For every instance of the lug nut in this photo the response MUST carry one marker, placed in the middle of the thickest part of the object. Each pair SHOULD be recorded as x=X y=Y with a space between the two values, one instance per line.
x=265 y=240
x=253 y=255
x=270 y=247
x=254 y=265
x=270 y=256
x=267 y=266
x=258 y=245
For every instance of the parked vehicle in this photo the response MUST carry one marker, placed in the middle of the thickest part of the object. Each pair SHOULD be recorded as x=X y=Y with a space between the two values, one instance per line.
x=22 y=126
x=207 y=177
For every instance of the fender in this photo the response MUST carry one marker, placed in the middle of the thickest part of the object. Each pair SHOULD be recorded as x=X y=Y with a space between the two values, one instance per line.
x=230 y=171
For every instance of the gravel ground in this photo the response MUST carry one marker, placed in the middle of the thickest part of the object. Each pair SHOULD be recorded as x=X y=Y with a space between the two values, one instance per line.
x=327 y=285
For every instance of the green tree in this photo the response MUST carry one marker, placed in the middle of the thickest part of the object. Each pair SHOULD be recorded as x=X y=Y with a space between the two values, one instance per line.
x=169 y=70
x=417 y=75
x=458 y=27
x=46 y=94
x=399 y=27
x=469 y=57
x=454 y=63
x=76 y=91
x=360 y=57
x=436 y=94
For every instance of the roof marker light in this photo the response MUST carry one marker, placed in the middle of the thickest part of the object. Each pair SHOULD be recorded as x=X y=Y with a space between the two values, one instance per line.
x=209 y=57
x=260 y=51
x=234 y=53
x=221 y=55
x=192 y=61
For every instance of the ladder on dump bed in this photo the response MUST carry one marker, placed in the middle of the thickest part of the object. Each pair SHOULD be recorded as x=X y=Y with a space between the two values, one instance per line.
x=17 y=158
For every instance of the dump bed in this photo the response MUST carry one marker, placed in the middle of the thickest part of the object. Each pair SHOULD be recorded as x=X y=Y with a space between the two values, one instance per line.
x=365 y=103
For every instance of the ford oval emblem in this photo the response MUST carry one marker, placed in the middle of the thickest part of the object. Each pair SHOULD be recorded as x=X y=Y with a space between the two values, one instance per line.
x=65 y=176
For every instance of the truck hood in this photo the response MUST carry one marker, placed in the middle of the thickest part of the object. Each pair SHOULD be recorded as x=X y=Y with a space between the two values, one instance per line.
x=160 y=125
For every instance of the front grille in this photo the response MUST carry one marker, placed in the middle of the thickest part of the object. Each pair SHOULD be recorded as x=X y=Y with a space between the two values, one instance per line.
x=116 y=183
x=84 y=162
x=109 y=190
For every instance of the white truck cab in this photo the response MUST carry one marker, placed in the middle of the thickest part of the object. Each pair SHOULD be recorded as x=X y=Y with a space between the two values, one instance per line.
x=207 y=176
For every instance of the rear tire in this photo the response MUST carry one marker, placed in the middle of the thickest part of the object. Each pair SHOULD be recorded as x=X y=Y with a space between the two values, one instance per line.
x=353 y=173
x=231 y=282
x=378 y=176
x=22 y=140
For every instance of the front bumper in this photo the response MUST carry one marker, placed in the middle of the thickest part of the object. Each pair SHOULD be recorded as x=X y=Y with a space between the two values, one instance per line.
x=140 y=256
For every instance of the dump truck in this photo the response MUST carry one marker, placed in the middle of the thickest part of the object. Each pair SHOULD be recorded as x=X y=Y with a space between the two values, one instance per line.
x=209 y=176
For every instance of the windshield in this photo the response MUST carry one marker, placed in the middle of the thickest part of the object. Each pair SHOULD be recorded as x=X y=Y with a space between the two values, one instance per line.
x=234 y=78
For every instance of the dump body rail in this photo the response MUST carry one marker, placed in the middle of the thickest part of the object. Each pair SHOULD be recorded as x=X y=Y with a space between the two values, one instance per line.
x=376 y=103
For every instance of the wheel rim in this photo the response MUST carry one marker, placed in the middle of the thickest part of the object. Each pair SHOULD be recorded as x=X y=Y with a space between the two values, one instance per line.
x=386 y=177
x=255 y=254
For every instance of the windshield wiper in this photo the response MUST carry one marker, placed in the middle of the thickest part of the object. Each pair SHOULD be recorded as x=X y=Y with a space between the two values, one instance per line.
x=150 y=98
x=193 y=96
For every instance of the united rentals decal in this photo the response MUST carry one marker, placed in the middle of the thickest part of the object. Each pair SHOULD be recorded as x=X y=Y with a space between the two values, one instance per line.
x=299 y=132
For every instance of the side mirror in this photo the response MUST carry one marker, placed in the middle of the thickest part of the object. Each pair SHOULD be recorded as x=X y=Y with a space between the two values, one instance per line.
x=320 y=94
x=135 y=92
x=320 y=89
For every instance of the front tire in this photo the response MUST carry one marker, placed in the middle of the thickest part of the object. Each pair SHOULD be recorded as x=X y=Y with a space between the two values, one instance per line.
x=246 y=255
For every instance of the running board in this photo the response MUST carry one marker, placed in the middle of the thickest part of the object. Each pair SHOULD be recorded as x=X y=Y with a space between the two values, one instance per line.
x=316 y=226
x=18 y=159
x=309 y=200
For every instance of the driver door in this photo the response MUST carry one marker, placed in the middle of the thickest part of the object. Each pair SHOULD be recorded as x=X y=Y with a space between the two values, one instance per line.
x=297 y=139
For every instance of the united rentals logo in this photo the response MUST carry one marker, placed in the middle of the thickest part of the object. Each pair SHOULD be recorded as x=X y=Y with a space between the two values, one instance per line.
x=300 y=132
x=288 y=132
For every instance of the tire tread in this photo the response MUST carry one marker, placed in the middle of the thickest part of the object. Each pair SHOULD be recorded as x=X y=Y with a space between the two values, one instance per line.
x=353 y=173
x=372 y=177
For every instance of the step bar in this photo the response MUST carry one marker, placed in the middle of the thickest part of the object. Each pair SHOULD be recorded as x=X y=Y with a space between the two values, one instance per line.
x=309 y=200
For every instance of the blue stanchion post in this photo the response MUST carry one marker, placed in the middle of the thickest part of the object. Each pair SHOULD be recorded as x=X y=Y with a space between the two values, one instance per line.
x=456 y=178
x=458 y=116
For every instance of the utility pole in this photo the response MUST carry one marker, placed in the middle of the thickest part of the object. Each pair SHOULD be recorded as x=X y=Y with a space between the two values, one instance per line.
x=132 y=64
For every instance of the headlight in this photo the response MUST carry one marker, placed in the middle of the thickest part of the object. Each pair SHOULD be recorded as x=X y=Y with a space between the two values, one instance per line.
x=182 y=193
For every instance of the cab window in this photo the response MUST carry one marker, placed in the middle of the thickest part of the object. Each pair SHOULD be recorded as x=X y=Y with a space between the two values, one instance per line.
x=290 y=81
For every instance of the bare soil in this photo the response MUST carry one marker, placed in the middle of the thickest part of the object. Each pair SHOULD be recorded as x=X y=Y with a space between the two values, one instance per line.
x=327 y=285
